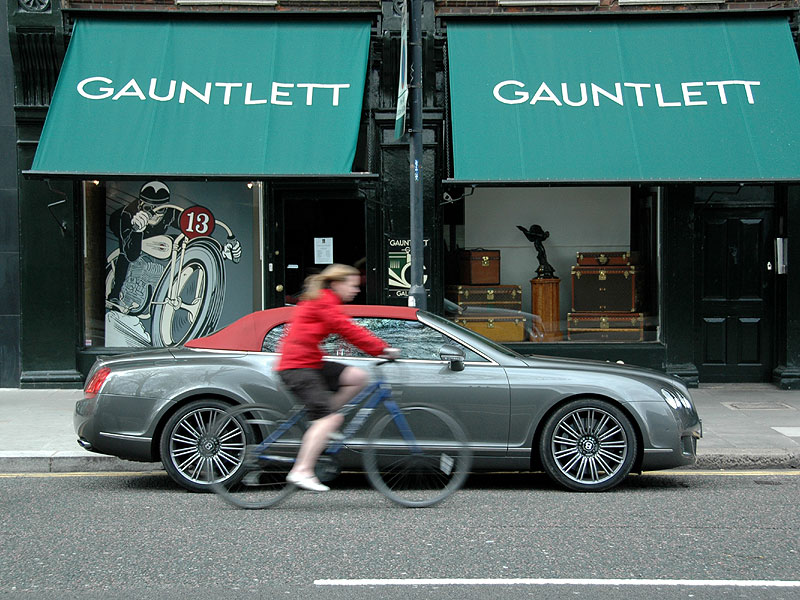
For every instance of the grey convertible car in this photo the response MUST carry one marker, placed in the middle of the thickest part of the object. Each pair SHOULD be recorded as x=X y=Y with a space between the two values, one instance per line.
x=586 y=424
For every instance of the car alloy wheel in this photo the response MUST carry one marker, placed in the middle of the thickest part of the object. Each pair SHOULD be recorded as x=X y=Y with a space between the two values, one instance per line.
x=588 y=445
x=201 y=446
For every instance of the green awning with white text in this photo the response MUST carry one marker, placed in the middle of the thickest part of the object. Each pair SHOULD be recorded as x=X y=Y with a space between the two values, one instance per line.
x=209 y=98
x=662 y=99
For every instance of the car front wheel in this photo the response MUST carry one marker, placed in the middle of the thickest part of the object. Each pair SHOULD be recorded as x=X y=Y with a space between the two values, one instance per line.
x=201 y=446
x=588 y=445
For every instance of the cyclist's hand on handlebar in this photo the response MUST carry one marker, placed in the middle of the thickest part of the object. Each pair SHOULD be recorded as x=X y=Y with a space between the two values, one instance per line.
x=391 y=353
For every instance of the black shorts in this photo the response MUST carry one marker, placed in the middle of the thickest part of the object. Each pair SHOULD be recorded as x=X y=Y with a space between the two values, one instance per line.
x=314 y=387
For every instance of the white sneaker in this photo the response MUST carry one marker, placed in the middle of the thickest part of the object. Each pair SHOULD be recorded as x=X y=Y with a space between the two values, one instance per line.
x=307 y=482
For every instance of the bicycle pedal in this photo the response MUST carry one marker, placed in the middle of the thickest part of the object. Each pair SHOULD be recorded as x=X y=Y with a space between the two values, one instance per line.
x=252 y=478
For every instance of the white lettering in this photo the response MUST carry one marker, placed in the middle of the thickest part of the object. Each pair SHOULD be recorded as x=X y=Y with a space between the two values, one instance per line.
x=521 y=96
x=723 y=98
x=565 y=95
x=545 y=93
x=597 y=91
x=152 y=92
x=691 y=92
x=687 y=94
x=228 y=86
x=185 y=87
x=276 y=92
x=106 y=91
x=134 y=88
x=323 y=86
x=248 y=96
x=638 y=87
x=660 y=96
x=280 y=92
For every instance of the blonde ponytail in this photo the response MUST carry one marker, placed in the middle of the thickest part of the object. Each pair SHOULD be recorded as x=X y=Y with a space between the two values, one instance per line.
x=315 y=283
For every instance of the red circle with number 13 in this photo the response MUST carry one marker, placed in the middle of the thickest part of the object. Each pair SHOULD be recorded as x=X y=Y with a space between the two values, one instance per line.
x=197 y=221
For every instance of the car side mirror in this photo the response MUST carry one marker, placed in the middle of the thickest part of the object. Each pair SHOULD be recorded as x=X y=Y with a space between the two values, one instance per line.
x=454 y=355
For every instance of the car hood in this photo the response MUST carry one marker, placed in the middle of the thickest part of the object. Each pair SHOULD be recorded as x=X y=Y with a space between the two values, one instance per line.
x=604 y=367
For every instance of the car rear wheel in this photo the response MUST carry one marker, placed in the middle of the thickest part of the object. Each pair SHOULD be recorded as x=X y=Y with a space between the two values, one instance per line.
x=588 y=445
x=200 y=446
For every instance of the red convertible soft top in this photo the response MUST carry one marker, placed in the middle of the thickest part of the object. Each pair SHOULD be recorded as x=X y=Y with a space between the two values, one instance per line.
x=247 y=334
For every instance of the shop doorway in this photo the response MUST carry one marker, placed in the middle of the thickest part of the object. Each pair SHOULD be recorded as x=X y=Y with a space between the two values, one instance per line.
x=311 y=231
x=734 y=292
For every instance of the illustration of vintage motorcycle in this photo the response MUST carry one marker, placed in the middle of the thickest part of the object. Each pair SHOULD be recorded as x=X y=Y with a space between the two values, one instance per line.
x=177 y=281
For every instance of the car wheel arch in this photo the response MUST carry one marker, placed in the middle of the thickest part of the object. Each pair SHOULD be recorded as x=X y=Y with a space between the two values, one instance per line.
x=536 y=460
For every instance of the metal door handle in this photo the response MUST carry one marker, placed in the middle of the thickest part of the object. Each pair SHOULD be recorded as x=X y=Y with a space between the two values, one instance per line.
x=279 y=288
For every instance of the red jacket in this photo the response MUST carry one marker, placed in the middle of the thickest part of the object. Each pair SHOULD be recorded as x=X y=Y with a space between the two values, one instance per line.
x=312 y=322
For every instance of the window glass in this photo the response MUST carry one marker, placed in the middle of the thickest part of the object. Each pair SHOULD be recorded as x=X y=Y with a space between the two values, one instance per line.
x=416 y=340
x=562 y=264
x=162 y=260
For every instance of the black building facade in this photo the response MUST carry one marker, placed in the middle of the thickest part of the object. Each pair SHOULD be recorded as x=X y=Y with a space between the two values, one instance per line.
x=714 y=304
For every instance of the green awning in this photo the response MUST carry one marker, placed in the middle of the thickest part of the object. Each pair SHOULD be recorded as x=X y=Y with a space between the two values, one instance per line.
x=661 y=99
x=193 y=97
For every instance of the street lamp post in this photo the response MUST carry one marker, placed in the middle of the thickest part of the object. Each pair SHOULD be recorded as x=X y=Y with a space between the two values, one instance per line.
x=416 y=294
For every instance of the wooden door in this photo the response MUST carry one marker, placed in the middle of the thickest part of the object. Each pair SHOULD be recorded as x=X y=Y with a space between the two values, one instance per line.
x=734 y=293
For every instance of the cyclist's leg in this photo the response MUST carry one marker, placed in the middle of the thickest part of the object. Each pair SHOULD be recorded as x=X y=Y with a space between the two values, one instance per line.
x=314 y=388
x=350 y=382
x=314 y=442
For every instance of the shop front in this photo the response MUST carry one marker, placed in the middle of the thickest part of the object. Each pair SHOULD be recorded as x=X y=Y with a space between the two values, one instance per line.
x=637 y=179
x=201 y=168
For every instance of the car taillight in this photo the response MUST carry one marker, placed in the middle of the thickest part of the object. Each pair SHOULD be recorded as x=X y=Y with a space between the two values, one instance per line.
x=96 y=382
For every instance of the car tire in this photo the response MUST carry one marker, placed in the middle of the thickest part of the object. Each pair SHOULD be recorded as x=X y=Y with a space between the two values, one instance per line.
x=588 y=445
x=196 y=453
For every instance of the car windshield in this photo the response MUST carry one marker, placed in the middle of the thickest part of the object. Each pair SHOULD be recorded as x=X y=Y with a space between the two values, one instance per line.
x=464 y=334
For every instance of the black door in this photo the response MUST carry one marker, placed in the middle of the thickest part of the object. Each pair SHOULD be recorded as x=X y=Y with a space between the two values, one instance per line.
x=734 y=293
x=309 y=230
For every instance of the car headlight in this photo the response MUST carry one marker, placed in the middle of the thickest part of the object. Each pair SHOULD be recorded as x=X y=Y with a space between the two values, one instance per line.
x=687 y=403
x=671 y=398
x=676 y=399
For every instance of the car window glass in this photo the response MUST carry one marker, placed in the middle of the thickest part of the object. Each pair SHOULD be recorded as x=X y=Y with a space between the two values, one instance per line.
x=272 y=338
x=415 y=339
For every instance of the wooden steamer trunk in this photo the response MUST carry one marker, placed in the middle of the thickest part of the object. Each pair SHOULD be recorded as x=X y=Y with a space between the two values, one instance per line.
x=500 y=328
x=479 y=267
x=605 y=326
x=490 y=296
x=606 y=259
x=611 y=289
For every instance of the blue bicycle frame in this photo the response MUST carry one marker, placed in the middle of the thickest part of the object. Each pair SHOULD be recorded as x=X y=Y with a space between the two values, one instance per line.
x=374 y=394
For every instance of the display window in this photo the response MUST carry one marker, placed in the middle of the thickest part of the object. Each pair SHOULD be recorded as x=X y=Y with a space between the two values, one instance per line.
x=168 y=261
x=562 y=264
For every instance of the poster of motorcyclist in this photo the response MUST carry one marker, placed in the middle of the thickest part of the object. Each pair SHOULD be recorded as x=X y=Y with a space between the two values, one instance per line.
x=173 y=251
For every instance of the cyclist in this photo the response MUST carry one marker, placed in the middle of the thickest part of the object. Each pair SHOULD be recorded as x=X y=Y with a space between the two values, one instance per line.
x=323 y=386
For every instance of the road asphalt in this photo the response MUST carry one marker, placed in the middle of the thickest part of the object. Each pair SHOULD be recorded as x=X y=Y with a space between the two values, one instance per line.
x=745 y=426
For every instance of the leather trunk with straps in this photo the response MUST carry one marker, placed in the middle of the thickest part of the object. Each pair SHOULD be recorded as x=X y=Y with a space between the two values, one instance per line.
x=610 y=289
x=605 y=326
x=606 y=259
x=500 y=328
x=490 y=296
x=479 y=267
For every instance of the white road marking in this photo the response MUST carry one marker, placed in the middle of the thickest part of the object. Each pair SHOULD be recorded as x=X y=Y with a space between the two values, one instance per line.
x=595 y=582
x=788 y=431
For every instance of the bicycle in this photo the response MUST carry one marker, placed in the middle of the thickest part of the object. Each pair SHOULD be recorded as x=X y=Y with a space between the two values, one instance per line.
x=416 y=456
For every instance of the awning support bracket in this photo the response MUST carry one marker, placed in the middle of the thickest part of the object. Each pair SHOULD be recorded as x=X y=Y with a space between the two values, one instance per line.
x=62 y=224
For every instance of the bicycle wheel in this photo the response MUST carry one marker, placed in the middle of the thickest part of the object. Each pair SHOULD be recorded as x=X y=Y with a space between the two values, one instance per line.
x=421 y=472
x=263 y=480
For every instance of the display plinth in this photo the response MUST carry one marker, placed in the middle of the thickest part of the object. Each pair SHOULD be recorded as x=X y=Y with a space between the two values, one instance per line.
x=545 y=303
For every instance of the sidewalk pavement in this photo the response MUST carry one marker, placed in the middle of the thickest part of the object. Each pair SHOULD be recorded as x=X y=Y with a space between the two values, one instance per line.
x=745 y=426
